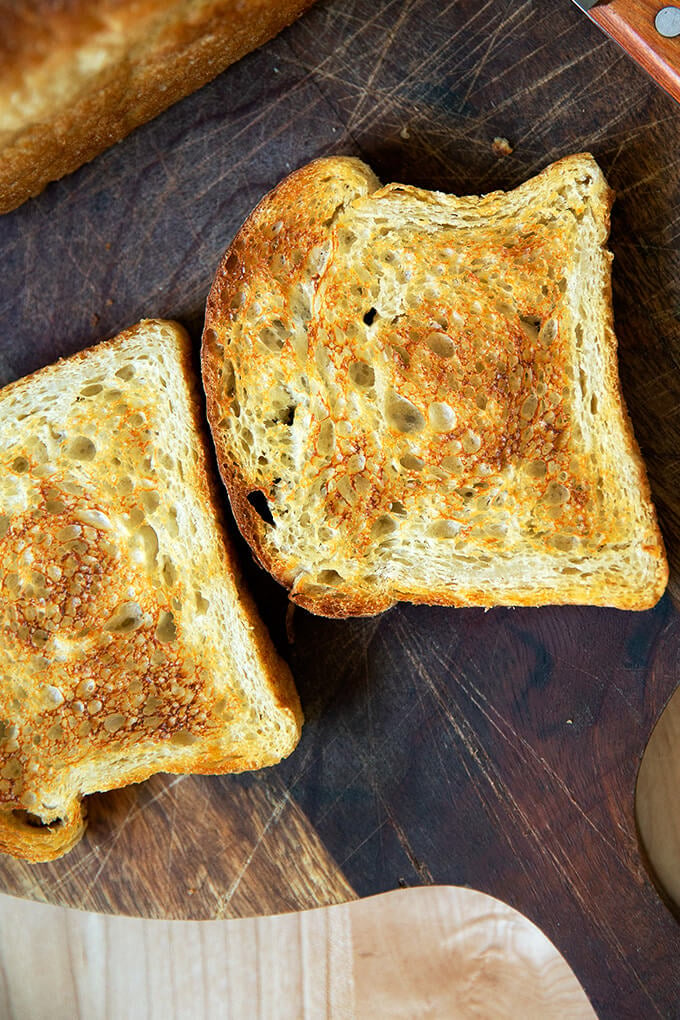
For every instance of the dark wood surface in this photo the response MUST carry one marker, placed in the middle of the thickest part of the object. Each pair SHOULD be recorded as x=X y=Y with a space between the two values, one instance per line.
x=497 y=750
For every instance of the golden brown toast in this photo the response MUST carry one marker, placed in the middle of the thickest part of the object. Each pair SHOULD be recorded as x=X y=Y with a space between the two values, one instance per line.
x=129 y=643
x=415 y=396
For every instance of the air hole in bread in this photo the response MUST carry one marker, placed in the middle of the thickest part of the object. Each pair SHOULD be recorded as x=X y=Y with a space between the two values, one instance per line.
x=411 y=462
x=330 y=577
x=85 y=688
x=549 y=332
x=228 y=378
x=471 y=442
x=92 y=390
x=346 y=238
x=260 y=505
x=202 y=603
x=362 y=374
x=326 y=441
x=126 y=618
x=114 y=722
x=370 y=316
x=183 y=738
x=444 y=529
x=565 y=543
x=536 y=469
x=531 y=326
x=150 y=499
x=287 y=414
x=398 y=508
x=441 y=344
x=274 y=336
x=20 y=465
x=150 y=544
x=401 y=353
x=27 y=818
x=453 y=465
x=529 y=407
x=384 y=526
x=169 y=573
x=300 y=307
x=442 y=417
x=171 y=522
x=126 y=372
x=246 y=440
x=402 y=415
x=593 y=404
x=81 y=448
x=136 y=516
x=231 y=265
x=166 y=630
x=556 y=494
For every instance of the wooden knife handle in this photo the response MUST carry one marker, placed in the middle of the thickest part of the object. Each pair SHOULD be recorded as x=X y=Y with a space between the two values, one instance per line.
x=631 y=24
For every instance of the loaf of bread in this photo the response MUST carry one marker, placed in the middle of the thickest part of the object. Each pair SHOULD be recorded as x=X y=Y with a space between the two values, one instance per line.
x=129 y=643
x=415 y=396
x=75 y=77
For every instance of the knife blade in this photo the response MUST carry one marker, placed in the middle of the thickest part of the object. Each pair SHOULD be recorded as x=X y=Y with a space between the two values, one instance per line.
x=647 y=30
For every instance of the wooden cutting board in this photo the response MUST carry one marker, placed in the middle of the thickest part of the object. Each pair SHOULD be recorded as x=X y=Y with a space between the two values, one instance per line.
x=438 y=952
x=497 y=750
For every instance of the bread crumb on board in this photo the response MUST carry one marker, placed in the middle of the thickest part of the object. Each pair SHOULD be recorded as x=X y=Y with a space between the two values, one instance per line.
x=501 y=147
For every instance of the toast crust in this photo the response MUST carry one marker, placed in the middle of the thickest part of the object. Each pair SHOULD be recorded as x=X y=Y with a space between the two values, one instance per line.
x=481 y=398
x=124 y=654
x=75 y=78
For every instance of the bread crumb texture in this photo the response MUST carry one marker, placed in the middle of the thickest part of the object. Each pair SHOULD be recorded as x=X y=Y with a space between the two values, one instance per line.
x=415 y=396
x=128 y=644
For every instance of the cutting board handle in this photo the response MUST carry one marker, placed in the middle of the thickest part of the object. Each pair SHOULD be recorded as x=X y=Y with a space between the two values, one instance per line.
x=631 y=23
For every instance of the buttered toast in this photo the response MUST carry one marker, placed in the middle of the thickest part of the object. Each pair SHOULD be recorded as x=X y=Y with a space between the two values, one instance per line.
x=129 y=644
x=415 y=396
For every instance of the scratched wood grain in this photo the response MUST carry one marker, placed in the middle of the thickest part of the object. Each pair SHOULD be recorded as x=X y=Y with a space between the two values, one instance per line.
x=497 y=749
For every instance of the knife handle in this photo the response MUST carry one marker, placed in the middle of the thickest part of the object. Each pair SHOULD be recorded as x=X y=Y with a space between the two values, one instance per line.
x=631 y=24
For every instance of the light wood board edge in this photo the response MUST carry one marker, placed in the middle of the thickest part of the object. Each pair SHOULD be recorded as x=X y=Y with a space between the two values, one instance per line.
x=430 y=951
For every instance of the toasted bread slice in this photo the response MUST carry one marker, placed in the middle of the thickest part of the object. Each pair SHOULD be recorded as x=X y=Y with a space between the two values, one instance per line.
x=415 y=396
x=129 y=644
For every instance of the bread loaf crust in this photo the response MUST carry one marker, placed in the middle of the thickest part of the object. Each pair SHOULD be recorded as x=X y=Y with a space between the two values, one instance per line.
x=539 y=405
x=75 y=77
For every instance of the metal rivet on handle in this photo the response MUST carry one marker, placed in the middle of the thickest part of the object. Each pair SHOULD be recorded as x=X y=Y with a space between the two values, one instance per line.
x=667 y=22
